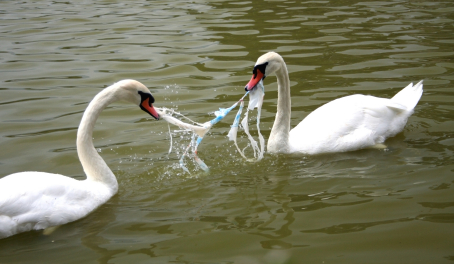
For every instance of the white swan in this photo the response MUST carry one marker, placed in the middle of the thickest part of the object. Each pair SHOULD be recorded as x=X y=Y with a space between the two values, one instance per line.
x=345 y=124
x=38 y=200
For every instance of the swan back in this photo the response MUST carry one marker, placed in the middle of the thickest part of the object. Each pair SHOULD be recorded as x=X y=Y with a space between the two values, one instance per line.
x=354 y=122
x=46 y=199
x=348 y=123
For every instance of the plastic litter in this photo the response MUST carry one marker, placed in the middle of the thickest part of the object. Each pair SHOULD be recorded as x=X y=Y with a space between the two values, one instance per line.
x=255 y=101
x=201 y=129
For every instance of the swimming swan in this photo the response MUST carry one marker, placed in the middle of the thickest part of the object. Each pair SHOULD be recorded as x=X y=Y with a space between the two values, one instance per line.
x=345 y=124
x=38 y=200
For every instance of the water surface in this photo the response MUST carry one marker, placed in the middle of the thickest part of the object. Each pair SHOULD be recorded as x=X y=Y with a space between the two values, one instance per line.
x=368 y=206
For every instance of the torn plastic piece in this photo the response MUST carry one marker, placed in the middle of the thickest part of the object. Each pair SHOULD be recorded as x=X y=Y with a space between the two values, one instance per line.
x=199 y=129
x=255 y=101
x=234 y=129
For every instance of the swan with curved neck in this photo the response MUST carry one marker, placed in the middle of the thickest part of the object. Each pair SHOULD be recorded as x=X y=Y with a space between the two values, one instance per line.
x=345 y=124
x=38 y=200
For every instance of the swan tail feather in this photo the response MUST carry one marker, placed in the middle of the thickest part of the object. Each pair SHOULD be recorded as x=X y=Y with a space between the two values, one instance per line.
x=408 y=97
x=396 y=106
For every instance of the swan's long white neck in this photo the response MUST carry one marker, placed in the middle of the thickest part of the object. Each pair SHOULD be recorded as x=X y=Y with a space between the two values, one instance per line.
x=278 y=141
x=94 y=166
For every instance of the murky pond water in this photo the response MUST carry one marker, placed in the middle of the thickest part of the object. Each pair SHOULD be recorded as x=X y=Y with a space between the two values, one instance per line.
x=368 y=206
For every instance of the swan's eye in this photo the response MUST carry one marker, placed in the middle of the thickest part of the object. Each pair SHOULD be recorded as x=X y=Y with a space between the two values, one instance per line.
x=151 y=99
x=261 y=68
x=145 y=96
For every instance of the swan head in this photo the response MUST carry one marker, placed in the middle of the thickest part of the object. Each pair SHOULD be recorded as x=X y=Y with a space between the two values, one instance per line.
x=138 y=94
x=266 y=64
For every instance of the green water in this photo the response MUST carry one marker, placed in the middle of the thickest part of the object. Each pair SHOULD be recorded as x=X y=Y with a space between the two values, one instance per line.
x=368 y=206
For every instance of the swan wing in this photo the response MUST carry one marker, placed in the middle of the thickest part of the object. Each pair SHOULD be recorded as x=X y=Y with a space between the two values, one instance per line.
x=37 y=200
x=348 y=123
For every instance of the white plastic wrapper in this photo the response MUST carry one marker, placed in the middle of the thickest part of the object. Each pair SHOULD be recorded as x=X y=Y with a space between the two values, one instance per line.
x=256 y=97
x=200 y=130
x=255 y=101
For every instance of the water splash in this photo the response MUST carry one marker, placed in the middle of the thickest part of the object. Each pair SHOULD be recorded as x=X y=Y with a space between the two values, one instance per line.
x=200 y=130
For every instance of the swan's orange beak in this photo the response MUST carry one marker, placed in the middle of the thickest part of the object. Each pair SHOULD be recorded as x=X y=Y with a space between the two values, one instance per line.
x=254 y=80
x=148 y=107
